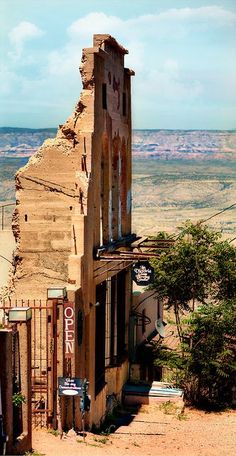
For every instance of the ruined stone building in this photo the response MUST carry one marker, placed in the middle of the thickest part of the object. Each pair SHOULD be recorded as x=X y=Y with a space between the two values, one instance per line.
x=74 y=204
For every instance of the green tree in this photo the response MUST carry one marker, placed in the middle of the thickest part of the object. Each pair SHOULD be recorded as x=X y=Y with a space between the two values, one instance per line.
x=212 y=355
x=197 y=277
x=206 y=367
x=225 y=259
x=197 y=268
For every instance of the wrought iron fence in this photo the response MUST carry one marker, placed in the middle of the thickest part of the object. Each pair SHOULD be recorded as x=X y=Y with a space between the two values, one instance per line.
x=42 y=353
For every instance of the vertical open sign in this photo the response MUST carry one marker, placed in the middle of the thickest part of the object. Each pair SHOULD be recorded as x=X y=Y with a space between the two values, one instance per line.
x=69 y=329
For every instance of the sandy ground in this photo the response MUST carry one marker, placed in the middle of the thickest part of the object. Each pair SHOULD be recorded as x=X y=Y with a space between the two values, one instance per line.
x=151 y=433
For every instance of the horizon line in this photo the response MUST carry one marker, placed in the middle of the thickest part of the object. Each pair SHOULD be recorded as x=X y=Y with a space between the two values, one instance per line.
x=133 y=129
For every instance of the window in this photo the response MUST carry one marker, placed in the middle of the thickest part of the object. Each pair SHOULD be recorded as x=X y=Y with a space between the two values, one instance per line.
x=106 y=193
x=121 y=306
x=115 y=319
x=104 y=96
x=100 y=337
x=111 y=321
x=110 y=326
x=124 y=104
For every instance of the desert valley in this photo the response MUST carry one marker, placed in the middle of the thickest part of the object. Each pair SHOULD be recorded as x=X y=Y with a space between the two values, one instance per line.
x=177 y=175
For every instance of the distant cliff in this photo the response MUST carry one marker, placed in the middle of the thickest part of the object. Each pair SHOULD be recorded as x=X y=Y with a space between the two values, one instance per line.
x=185 y=144
x=22 y=142
x=164 y=144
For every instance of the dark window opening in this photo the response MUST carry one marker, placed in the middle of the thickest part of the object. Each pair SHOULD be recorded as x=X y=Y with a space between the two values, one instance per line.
x=115 y=332
x=124 y=104
x=26 y=218
x=121 y=301
x=100 y=337
x=71 y=208
x=104 y=96
x=113 y=321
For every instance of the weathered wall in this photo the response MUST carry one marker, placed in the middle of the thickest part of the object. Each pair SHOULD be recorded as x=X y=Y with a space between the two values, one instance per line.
x=75 y=195
x=78 y=183
x=48 y=194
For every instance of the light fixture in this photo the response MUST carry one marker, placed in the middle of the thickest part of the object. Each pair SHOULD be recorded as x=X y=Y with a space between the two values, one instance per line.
x=19 y=314
x=56 y=293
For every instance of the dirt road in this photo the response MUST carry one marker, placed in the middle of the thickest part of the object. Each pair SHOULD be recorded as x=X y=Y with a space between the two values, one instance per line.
x=151 y=432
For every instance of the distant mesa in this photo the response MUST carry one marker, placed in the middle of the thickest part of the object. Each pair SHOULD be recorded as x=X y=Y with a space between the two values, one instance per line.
x=159 y=144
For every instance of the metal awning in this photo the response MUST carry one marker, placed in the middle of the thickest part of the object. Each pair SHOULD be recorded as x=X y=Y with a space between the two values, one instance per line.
x=132 y=248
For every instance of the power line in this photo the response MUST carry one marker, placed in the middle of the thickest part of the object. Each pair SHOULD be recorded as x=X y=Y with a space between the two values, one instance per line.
x=218 y=213
x=6 y=259
x=205 y=220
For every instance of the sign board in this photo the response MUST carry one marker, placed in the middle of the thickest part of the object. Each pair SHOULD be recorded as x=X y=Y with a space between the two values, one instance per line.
x=70 y=386
x=69 y=329
x=142 y=273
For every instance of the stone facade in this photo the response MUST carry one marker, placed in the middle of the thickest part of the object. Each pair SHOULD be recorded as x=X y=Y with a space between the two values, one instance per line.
x=73 y=196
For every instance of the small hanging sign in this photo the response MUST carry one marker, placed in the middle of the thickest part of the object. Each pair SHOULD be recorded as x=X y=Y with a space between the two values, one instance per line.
x=142 y=273
x=70 y=386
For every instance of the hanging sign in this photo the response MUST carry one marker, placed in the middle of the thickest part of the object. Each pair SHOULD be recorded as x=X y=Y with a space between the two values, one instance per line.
x=69 y=329
x=142 y=273
x=70 y=386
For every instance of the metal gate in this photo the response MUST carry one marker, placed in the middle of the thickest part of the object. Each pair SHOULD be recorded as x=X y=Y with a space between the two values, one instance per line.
x=44 y=357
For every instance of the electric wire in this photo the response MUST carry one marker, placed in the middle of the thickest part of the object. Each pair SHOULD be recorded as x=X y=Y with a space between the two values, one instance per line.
x=6 y=259
x=173 y=236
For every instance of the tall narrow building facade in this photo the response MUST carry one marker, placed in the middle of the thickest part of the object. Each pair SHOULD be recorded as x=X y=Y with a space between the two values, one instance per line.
x=74 y=202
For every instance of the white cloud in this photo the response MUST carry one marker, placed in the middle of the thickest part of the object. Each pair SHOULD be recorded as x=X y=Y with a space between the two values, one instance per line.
x=65 y=61
x=163 y=73
x=8 y=81
x=23 y=32
x=139 y=34
x=204 y=13
x=169 y=84
x=151 y=24
x=95 y=23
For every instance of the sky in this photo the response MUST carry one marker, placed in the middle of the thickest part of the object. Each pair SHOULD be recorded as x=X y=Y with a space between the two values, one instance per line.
x=183 y=53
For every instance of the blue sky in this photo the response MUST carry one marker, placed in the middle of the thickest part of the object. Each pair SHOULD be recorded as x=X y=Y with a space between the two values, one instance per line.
x=183 y=53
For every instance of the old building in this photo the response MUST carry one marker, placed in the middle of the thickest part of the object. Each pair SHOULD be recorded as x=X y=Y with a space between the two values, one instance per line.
x=74 y=204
